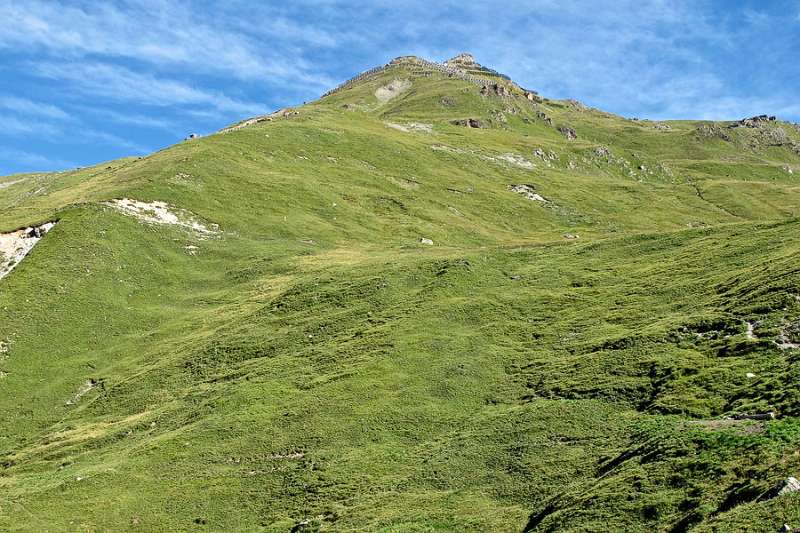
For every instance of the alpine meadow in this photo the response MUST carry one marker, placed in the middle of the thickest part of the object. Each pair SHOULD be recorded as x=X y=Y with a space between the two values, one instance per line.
x=431 y=300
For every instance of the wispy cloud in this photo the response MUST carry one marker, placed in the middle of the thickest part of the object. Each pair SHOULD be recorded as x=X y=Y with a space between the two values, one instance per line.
x=122 y=84
x=25 y=107
x=133 y=119
x=17 y=126
x=12 y=160
x=167 y=34
x=65 y=132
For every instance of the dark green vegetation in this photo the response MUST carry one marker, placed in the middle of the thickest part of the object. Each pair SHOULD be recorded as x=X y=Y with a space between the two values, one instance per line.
x=314 y=367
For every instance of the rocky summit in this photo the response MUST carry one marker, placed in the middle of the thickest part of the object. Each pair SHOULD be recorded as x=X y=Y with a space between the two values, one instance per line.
x=430 y=300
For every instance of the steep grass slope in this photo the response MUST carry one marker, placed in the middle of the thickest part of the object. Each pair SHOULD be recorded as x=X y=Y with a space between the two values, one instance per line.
x=578 y=349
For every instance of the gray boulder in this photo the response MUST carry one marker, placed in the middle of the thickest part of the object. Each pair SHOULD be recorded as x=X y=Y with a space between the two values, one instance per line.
x=568 y=133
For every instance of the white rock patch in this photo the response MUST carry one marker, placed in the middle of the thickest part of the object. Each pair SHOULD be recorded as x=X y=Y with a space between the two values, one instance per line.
x=398 y=127
x=161 y=213
x=784 y=343
x=387 y=92
x=512 y=159
x=86 y=387
x=444 y=148
x=10 y=183
x=528 y=192
x=16 y=245
x=516 y=160
x=411 y=127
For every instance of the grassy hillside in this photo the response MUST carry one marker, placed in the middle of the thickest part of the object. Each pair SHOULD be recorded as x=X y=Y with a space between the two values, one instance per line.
x=571 y=362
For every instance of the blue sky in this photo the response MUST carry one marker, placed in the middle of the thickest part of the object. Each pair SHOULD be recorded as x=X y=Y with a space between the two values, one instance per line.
x=82 y=82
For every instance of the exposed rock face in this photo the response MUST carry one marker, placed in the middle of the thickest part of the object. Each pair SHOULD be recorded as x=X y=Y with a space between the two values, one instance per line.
x=545 y=156
x=285 y=113
x=412 y=60
x=776 y=136
x=602 y=151
x=533 y=96
x=499 y=116
x=568 y=133
x=755 y=122
x=711 y=131
x=516 y=160
x=790 y=485
x=577 y=105
x=388 y=92
x=661 y=126
x=418 y=127
x=787 y=486
x=495 y=89
x=543 y=116
x=161 y=213
x=755 y=416
x=528 y=191
x=462 y=61
x=468 y=123
x=16 y=245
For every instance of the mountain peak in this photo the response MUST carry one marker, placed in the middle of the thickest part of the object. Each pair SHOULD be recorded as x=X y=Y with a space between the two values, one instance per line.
x=463 y=66
x=462 y=60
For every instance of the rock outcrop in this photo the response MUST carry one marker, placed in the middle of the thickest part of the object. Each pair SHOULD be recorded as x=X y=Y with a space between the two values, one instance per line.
x=495 y=89
x=284 y=113
x=462 y=61
x=543 y=116
x=568 y=133
x=754 y=122
x=468 y=123
x=712 y=131
x=786 y=486
x=392 y=90
x=161 y=213
x=16 y=245
x=532 y=96
x=528 y=191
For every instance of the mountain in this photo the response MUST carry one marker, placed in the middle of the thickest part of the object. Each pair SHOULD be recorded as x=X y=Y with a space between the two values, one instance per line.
x=430 y=300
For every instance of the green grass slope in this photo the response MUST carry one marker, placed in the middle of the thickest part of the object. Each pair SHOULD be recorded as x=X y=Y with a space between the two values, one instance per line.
x=314 y=366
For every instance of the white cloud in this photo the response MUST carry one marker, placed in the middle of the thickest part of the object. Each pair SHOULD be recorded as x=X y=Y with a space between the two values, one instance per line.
x=16 y=126
x=64 y=132
x=15 y=159
x=166 y=34
x=25 y=107
x=133 y=119
x=122 y=84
